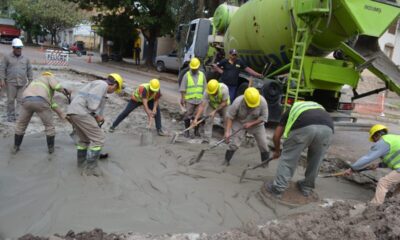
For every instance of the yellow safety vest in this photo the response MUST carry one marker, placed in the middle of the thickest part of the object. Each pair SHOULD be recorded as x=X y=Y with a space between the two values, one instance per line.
x=297 y=109
x=392 y=159
x=148 y=96
x=194 y=91
x=49 y=90
x=215 y=101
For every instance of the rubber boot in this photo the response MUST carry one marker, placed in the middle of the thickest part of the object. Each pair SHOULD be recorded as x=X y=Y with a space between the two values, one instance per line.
x=91 y=168
x=187 y=124
x=17 y=143
x=196 y=131
x=264 y=157
x=50 y=143
x=228 y=157
x=81 y=156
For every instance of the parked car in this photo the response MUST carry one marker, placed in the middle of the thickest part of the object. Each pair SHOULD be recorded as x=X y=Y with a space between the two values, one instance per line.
x=78 y=47
x=167 y=62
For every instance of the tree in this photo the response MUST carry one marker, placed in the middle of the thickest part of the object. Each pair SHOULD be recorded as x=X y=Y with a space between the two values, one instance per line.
x=34 y=16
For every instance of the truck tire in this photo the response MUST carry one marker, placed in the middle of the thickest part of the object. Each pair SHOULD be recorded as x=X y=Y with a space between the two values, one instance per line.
x=272 y=91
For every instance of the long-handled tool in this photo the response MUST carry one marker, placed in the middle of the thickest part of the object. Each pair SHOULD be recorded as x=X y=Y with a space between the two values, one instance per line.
x=173 y=140
x=201 y=153
x=342 y=173
x=146 y=137
x=265 y=163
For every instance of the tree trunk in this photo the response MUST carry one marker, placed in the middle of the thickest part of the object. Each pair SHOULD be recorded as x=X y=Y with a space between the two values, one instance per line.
x=29 y=36
x=200 y=9
x=151 y=50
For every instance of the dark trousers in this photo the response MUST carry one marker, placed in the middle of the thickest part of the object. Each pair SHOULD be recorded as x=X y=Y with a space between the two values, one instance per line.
x=232 y=92
x=131 y=106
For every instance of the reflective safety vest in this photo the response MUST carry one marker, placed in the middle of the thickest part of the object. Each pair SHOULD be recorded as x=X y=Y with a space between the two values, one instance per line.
x=194 y=91
x=149 y=97
x=49 y=90
x=392 y=159
x=215 y=101
x=297 y=109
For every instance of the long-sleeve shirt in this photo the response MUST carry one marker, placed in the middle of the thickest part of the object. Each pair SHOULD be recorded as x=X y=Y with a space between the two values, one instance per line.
x=378 y=150
x=240 y=112
x=37 y=88
x=90 y=99
x=16 y=70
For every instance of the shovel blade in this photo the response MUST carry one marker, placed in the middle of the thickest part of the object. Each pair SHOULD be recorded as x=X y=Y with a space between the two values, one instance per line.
x=197 y=159
x=173 y=140
x=242 y=176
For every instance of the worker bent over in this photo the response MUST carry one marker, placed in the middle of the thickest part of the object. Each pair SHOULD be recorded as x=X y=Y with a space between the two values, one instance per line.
x=192 y=88
x=38 y=98
x=215 y=100
x=305 y=125
x=387 y=147
x=86 y=115
x=249 y=112
x=148 y=95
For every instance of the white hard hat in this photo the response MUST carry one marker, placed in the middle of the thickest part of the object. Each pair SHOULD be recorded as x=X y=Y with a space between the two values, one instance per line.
x=16 y=42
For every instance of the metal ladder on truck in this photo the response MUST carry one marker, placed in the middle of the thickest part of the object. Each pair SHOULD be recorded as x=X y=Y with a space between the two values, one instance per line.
x=308 y=18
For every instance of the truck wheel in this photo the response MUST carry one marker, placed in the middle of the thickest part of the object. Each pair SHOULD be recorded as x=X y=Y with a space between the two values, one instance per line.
x=242 y=87
x=272 y=91
x=160 y=66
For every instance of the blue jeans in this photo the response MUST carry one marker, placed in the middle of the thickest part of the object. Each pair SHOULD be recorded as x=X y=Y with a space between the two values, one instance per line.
x=131 y=106
x=232 y=92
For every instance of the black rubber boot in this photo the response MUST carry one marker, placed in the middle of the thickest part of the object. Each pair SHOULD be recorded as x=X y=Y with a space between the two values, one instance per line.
x=91 y=168
x=196 y=131
x=17 y=143
x=81 y=156
x=187 y=124
x=50 y=143
x=264 y=157
x=228 y=157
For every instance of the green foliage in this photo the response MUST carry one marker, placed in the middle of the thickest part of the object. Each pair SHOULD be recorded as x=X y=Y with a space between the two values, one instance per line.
x=50 y=15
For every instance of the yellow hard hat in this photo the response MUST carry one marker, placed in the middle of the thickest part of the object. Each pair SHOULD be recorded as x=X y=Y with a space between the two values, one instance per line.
x=376 y=128
x=212 y=86
x=119 y=80
x=252 y=97
x=194 y=63
x=50 y=74
x=154 y=85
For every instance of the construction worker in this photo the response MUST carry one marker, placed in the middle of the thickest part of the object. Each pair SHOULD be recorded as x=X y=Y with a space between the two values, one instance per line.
x=86 y=115
x=248 y=112
x=148 y=95
x=305 y=125
x=192 y=88
x=15 y=75
x=387 y=147
x=38 y=98
x=215 y=100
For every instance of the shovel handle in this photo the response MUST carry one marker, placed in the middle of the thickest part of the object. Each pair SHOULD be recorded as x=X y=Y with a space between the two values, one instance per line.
x=150 y=122
x=225 y=138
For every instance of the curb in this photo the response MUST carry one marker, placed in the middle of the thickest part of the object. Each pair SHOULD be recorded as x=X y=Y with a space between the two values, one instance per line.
x=377 y=118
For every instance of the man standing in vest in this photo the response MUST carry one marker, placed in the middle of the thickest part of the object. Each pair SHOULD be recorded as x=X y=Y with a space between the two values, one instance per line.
x=86 y=115
x=248 y=112
x=148 y=95
x=15 y=75
x=215 y=100
x=387 y=147
x=38 y=98
x=305 y=125
x=192 y=88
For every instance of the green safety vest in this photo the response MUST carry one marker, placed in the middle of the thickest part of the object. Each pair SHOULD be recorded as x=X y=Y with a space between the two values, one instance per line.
x=193 y=91
x=392 y=159
x=215 y=101
x=148 y=96
x=297 y=109
x=49 y=90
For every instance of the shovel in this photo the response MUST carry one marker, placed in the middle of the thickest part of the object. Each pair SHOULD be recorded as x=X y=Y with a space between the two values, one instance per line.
x=201 y=153
x=146 y=138
x=173 y=140
x=342 y=173
x=254 y=167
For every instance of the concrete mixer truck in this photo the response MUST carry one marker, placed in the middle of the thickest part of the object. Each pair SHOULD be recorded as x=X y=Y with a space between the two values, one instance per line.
x=289 y=41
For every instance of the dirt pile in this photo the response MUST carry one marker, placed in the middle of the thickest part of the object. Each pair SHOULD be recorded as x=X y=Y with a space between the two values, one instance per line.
x=343 y=220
